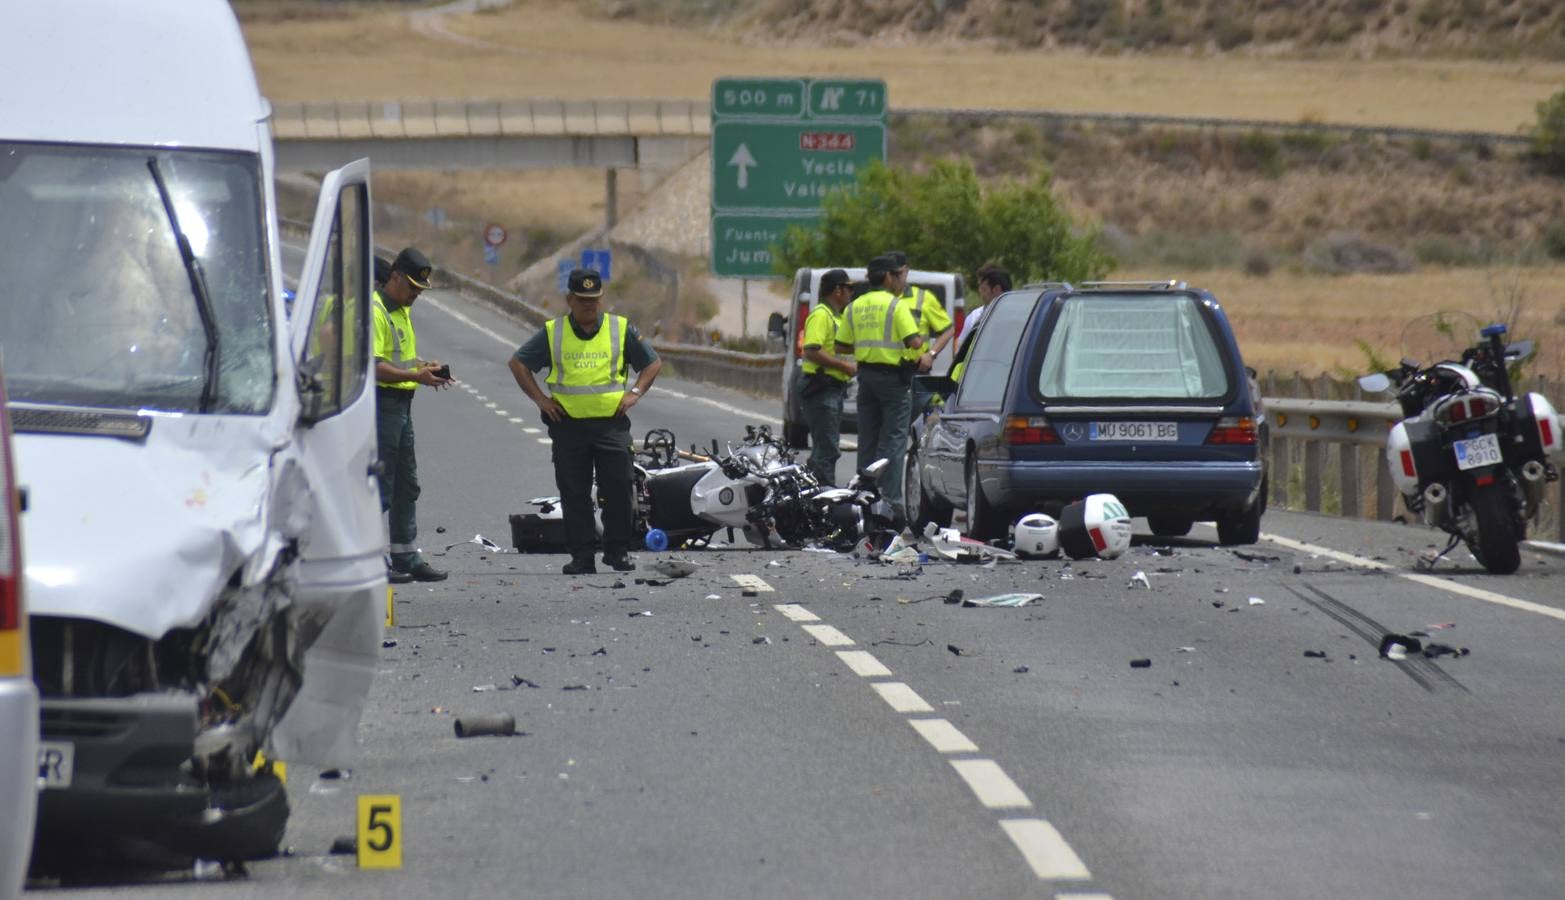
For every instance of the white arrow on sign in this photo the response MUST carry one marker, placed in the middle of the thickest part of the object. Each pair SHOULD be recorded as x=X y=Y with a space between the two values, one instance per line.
x=743 y=160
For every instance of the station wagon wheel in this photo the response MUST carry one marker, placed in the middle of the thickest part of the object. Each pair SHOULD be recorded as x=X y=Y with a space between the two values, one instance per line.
x=920 y=508
x=982 y=518
x=1169 y=526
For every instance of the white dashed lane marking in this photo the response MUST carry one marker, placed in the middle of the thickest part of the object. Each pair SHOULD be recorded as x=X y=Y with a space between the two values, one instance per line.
x=491 y=405
x=796 y=613
x=863 y=663
x=533 y=430
x=545 y=441
x=990 y=784
x=519 y=420
x=900 y=697
x=829 y=636
x=751 y=582
x=943 y=736
x=1045 y=849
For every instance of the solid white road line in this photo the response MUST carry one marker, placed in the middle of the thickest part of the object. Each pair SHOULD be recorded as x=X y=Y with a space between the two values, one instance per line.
x=1419 y=578
x=863 y=663
x=751 y=582
x=828 y=635
x=990 y=784
x=943 y=736
x=1046 y=851
x=796 y=613
x=900 y=697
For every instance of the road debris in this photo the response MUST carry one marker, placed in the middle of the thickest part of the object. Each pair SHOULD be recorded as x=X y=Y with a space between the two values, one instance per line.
x=763 y=639
x=1142 y=663
x=1002 y=600
x=481 y=541
x=1256 y=556
x=388 y=643
x=955 y=650
x=481 y=688
x=1139 y=579
x=675 y=567
x=1315 y=654
x=344 y=845
x=1257 y=601
x=1434 y=651
x=1098 y=525
x=1021 y=670
x=500 y=724
x=950 y=544
x=1398 y=646
x=519 y=681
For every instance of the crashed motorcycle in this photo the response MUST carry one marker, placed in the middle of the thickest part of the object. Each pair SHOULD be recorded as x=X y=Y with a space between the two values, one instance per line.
x=843 y=517
x=1470 y=456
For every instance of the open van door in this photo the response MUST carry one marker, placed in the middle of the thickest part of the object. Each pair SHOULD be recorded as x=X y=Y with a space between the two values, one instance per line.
x=341 y=568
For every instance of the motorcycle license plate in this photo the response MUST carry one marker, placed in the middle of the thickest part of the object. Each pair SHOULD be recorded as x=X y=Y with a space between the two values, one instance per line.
x=1473 y=453
x=56 y=763
x=1133 y=431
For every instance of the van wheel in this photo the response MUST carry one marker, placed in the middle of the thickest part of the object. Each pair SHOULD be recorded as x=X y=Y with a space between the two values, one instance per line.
x=983 y=520
x=1169 y=526
x=796 y=435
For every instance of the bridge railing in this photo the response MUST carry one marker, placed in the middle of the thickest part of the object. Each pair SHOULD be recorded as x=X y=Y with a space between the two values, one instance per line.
x=425 y=117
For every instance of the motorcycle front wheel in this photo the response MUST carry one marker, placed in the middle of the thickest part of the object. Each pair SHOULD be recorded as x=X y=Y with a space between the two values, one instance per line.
x=1498 y=546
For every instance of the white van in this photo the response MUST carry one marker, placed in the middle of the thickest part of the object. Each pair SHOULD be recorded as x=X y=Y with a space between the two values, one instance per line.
x=948 y=287
x=18 y=696
x=204 y=572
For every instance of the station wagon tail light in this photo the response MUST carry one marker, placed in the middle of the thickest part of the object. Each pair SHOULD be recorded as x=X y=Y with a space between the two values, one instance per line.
x=1023 y=430
x=13 y=661
x=801 y=313
x=1233 y=430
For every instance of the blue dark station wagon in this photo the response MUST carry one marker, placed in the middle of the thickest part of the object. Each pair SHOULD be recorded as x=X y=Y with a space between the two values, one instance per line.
x=1131 y=388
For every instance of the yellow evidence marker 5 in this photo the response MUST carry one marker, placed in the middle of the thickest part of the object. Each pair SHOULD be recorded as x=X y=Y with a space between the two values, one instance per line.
x=380 y=831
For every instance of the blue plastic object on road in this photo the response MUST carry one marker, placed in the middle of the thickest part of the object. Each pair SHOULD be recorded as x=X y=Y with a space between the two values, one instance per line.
x=656 y=540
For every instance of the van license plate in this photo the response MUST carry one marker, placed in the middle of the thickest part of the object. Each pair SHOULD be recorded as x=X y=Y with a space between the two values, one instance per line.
x=1133 y=431
x=56 y=763
x=1473 y=453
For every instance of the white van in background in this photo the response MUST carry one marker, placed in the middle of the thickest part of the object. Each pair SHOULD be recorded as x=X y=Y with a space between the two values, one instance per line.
x=948 y=287
x=204 y=573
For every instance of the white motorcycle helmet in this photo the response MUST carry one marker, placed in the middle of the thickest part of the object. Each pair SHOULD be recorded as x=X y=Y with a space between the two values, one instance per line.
x=1036 y=534
x=1096 y=526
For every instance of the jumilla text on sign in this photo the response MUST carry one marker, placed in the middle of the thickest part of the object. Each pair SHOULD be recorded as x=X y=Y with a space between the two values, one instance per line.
x=826 y=140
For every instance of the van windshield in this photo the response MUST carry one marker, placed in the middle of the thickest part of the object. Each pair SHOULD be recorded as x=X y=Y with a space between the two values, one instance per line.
x=96 y=304
x=1115 y=346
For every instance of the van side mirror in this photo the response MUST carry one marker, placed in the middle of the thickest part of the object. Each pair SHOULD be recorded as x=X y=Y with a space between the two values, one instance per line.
x=940 y=385
x=777 y=325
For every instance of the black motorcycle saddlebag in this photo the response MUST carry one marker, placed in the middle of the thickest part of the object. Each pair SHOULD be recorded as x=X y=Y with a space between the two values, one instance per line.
x=1434 y=461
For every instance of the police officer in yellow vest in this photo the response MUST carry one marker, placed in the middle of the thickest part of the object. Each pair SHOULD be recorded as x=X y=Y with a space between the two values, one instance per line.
x=398 y=373
x=588 y=355
x=823 y=379
x=878 y=329
x=934 y=323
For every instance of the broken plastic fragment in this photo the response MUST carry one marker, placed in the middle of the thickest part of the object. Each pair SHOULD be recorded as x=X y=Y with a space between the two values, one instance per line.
x=950 y=544
x=1398 y=646
x=674 y=567
x=1315 y=654
x=955 y=650
x=1003 y=600
x=481 y=688
x=1256 y=601
x=481 y=541
x=714 y=596
x=1139 y=580
x=1141 y=663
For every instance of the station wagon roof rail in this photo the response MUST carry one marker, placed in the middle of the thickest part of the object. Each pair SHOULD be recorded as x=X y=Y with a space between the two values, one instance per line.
x=1170 y=284
x=1047 y=286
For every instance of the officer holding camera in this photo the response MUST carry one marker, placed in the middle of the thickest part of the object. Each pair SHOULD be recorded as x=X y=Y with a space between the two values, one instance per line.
x=398 y=373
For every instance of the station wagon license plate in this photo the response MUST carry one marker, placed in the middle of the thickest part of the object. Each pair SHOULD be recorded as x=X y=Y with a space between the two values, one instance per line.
x=1472 y=453
x=1133 y=431
x=56 y=763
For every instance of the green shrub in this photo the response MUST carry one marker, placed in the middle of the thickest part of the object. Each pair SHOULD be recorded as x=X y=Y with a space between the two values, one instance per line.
x=1548 y=136
x=1554 y=241
x=947 y=222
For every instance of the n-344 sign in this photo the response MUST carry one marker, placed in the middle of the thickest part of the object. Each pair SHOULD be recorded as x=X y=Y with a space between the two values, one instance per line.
x=780 y=146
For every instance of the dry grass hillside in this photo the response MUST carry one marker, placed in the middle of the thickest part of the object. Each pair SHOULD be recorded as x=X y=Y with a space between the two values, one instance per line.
x=1499 y=28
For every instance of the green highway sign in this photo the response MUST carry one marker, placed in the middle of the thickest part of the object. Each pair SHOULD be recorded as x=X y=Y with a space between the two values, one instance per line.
x=847 y=98
x=769 y=97
x=788 y=165
x=780 y=146
x=745 y=242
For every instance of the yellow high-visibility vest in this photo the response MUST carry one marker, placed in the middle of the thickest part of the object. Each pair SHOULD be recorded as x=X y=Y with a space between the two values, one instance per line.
x=395 y=341
x=877 y=325
x=587 y=377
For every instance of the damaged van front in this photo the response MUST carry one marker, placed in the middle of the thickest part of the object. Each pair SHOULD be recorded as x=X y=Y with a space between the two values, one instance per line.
x=204 y=573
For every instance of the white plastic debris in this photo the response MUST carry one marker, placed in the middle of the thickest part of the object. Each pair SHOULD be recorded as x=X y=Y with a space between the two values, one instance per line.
x=774 y=564
x=481 y=541
x=1396 y=651
x=948 y=543
x=1256 y=601
x=675 y=567
x=1003 y=600
x=714 y=596
x=1139 y=580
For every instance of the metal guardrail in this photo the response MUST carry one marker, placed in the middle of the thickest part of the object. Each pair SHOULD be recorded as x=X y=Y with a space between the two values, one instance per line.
x=424 y=118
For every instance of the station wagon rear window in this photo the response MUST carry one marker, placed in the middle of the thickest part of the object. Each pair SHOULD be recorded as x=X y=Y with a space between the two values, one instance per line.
x=1132 y=347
